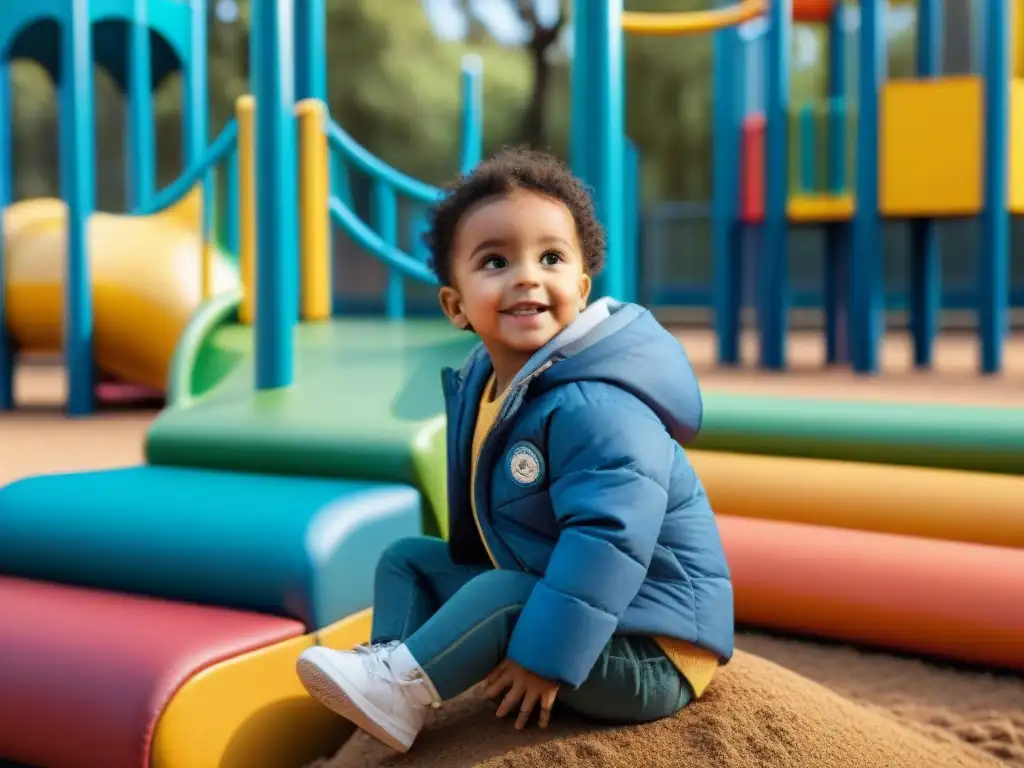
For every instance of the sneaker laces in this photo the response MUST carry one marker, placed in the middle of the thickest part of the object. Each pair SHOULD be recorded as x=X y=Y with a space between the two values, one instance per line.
x=375 y=658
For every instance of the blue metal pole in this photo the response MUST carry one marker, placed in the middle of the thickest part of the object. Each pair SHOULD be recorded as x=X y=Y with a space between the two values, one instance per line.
x=232 y=233
x=472 y=133
x=580 y=131
x=311 y=50
x=140 y=139
x=605 y=131
x=837 y=101
x=196 y=110
x=311 y=83
x=993 y=280
x=78 y=182
x=631 y=219
x=925 y=264
x=277 y=237
x=866 y=290
x=725 y=146
x=837 y=233
x=385 y=224
x=774 y=277
x=7 y=356
x=808 y=129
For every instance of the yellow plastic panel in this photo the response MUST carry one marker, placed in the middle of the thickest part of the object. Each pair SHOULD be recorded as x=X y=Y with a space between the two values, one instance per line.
x=1017 y=146
x=803 y=208
x=1017 y=23
x=347 y=633
x=930 y=159
x=247 y=712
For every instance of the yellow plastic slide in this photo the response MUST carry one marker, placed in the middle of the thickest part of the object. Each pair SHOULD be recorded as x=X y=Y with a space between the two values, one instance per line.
x=146 y=283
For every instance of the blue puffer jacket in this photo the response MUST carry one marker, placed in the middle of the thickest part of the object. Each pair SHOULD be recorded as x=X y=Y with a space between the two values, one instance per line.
x=591 y=491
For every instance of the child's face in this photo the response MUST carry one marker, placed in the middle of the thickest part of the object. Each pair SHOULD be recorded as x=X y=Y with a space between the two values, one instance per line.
x=517 y=274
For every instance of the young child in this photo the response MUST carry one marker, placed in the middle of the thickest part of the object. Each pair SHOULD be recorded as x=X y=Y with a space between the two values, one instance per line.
x=583 y=563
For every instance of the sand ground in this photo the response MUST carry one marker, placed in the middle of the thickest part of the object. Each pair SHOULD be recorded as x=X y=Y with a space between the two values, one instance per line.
x=980 y=709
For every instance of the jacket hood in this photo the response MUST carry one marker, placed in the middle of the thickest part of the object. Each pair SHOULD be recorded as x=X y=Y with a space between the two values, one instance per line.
x=624 y=345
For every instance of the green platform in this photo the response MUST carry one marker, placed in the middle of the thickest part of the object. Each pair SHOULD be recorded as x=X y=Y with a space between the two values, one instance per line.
x=366 y=403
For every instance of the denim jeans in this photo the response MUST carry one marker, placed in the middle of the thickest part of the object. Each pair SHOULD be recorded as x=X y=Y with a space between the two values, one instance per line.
x=457 y=620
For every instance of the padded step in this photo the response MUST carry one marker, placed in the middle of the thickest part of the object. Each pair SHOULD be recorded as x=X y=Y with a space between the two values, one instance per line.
x=85 y=675
x=302 y=548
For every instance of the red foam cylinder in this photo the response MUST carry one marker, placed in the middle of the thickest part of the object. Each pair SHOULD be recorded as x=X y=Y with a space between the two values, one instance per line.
x=927 y=596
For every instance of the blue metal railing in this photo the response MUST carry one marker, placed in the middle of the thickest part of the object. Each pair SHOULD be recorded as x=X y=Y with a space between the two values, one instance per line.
x=173 y=193
x=381 y=236
x=677 y=261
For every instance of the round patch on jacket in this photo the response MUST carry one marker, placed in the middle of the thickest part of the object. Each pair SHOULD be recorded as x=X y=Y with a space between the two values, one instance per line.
x=525 y=464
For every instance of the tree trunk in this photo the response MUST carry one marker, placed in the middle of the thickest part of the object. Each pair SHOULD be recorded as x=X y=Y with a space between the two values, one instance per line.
x=534 y=117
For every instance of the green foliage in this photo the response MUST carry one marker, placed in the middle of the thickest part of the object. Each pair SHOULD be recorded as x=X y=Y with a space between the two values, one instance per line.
x=394 y=85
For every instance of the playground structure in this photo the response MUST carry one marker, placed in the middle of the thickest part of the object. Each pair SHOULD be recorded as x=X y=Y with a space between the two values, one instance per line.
x=295 y=447
x=766 y=177
x=740 y=224
x=115 y=292
x=141 y=305
x=61 y=37
x=882 y=149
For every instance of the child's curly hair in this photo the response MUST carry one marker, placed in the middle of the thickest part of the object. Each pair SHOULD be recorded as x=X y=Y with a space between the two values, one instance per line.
x=509 y=170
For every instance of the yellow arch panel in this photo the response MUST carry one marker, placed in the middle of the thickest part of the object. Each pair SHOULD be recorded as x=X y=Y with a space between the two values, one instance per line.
x=247 y=712
x=347 y=633
x=252 y=712
x=693 y=22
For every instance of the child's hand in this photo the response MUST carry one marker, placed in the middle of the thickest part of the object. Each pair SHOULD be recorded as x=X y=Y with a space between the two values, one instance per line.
x=522 y=684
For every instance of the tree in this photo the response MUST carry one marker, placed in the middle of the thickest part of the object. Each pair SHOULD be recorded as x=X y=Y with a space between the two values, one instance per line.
x=541 y=43
x=542 y=40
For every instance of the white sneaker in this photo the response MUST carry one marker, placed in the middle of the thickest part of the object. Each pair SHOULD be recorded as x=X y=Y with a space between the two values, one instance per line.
x=382 y=689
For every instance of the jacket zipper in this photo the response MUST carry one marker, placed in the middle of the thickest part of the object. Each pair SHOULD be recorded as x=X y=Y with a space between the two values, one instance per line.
x=508 y=409
x=474 y=503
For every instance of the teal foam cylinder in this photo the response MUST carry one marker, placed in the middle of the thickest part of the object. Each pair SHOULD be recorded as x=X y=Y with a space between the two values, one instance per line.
x=302 y=548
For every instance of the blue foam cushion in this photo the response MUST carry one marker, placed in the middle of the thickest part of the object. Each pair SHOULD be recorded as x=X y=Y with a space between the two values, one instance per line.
x=304 y=548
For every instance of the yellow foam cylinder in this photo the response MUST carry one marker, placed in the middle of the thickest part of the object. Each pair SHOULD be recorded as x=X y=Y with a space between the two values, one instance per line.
x=915 y=501
x=314 y=222
x=245 y=114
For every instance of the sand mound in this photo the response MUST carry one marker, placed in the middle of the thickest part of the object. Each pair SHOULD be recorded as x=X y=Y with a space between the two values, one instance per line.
x=756 y=715
x=949 y=704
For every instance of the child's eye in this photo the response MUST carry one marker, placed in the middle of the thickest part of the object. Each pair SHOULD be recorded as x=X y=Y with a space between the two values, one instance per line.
x=551 y=258
x=494 y=262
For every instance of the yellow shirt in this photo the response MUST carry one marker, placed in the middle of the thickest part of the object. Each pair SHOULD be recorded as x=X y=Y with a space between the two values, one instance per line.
x=696 y=664
x=486 y=413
